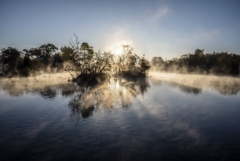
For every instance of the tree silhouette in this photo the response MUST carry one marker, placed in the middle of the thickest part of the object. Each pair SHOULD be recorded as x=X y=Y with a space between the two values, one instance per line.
x=48 y=49
x=67 y=53
x=103 y=61
x=11 y=58
x=35 y=52
x=86 y=55
x=144 y=65
x=210 y=63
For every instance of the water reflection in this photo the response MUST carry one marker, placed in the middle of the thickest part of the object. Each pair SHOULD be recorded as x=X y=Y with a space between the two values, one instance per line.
x=48 y=93
x=182 y=88
x=45 y=85
x=169 y=120
x=117 y=85
x=118 y=93
x=225 y=86
x=84 y=100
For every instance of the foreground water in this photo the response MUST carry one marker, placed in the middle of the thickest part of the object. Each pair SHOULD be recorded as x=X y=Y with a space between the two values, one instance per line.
x=146 y=119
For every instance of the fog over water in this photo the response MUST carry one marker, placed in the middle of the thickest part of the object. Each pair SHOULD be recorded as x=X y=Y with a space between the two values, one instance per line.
x=139 y=80
x=163 y=116
x=225 y=85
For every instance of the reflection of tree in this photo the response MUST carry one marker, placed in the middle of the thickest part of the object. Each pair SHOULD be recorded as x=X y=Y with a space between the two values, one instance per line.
x=143 y=85
x=68 y=90
x=183 y=88
x=47 y=87
x=106 y=96
x=195 y=83
x=48 y=93
x=227 y=89
x=224 y=89
x=9 y=86
x=187 y=89
x=76 y=109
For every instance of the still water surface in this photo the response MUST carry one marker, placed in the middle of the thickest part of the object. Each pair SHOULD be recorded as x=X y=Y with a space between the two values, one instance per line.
x=145 y=119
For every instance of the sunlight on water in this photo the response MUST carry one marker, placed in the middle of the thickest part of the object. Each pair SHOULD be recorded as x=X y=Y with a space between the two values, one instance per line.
x=117 y=85
x=143 y=118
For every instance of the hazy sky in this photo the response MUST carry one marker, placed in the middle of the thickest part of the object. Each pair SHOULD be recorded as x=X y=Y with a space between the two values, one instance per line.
x=154 y=27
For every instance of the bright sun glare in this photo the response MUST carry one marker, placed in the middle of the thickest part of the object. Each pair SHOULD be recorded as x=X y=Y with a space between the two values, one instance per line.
x=118 y=51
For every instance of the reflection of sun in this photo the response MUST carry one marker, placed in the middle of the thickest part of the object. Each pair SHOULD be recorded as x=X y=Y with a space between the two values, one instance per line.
x=117 y=85
x=118 y=51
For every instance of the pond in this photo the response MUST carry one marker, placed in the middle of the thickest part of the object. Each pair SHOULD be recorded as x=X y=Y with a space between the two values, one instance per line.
x=140 y=119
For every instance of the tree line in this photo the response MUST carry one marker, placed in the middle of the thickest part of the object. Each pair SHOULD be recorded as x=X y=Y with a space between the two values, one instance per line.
x=220 y=63
x=78 y=57
x=23 y=63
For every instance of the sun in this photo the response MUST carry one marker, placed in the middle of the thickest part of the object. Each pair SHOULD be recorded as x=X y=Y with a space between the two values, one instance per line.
x=118 y=51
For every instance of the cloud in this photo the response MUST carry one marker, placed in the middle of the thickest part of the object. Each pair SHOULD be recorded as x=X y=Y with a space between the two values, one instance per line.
x=159 y=14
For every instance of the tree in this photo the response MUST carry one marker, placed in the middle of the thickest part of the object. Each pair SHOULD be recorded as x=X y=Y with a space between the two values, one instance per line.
x=87 y=51
x=11 y=58
x=103 y=62
x=83 y=55
x=76 y=47
x=127 y=60
x=67 y=53
x=48 y=49
x=86 y=56
x=10 y=55
x=157 y=61
x=35 y=52
x=27 y=53
x=144 y=65
x=199 y=52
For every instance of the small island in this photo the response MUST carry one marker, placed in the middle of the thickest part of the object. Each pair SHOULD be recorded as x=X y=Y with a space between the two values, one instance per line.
x=78 y=59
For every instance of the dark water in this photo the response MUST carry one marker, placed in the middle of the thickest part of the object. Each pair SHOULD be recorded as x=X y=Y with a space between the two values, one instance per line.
x=134 y=120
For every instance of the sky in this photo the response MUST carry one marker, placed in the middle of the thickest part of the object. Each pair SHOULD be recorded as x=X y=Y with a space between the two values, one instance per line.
x=165 y=28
